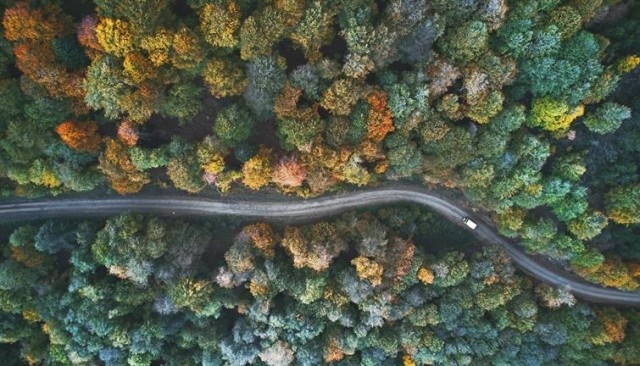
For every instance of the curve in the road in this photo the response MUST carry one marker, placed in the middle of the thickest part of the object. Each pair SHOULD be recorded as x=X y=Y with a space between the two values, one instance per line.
x=297 y=210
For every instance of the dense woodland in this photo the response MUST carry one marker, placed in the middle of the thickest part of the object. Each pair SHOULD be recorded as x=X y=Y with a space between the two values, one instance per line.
x=526 y=107
x=368 y=288
x=528 y=110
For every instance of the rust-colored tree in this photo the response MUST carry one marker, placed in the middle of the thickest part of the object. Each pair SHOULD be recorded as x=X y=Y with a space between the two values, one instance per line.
x=127 y=133
x=87 y=36
x=38 y=63
x=286 y=103
x=123 y=176
x=24 y=23
x=611 y=327
x=380 y=121
x=81 y=136
x=263 y=237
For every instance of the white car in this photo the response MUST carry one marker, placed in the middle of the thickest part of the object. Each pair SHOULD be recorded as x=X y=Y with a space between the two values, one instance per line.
x=467 y=221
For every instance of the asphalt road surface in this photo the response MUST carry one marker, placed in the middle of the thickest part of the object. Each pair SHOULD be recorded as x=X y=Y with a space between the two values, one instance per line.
x=272 y=208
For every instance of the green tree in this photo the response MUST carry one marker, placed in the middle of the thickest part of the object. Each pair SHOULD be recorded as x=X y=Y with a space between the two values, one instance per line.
x=466 y=42
x=266 y=79
x=567 y=19
x=567 y=76
x=183 y=101
x=234 y=124
x=569 y=166
x=300 y=130
x=106 y=87
x=588 y=225
x=623 y=204
x=314 y=29
x=607 y=118
x=405 y=159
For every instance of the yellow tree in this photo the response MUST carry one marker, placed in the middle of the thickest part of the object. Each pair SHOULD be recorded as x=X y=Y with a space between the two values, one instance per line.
x=115 y=36
x=138 y=68
x=258 y=170
x=368 y=269
x=188 y=51
x=224 y=78
x=341 y=96
x=554 y=115
x=313 y=246
x=219 y=23
x=158 y=46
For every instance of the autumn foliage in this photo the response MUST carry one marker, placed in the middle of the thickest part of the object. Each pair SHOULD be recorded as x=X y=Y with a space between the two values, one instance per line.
x=127 y=133
x=380 y=121
x=263 y=237
x=87 y=35
x=116 y=164
x=257 y=171
x=368 y=269
x=220 y=23
x=612 y=327
x=512 y=102
x=81 y=136
x=23 y=23
x=289 y=172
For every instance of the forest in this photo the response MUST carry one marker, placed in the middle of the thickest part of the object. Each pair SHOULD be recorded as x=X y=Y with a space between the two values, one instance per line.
x=525 y=110
x=380 y=287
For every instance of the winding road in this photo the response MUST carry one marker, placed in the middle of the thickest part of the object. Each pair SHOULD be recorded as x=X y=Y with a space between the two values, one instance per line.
x=295 y=210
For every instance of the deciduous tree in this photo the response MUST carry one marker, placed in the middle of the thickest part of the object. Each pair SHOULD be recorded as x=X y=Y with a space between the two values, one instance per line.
x=258 y=170
x=289 y=172
x=553 y=115
x=123 y=176
x=23 y=22
x=266 y=78
x=115 y=36
x=234 y=124
x=465 y=43
x=81 y=136
x=224 y=78
x=341 y=96
x=380 y=120
x=220 y=22
x=623 y=204
x=607 y=118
